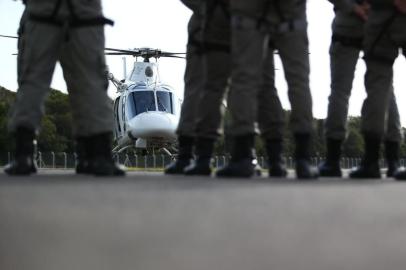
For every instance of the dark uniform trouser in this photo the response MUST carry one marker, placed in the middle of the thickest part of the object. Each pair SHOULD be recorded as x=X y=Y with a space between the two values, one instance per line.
x=210 y=113
x=194 y=80
x=380 y=56
x=84 y=69
x=343 y=60
x=271 y=119
x=217 y=59
x=248 y=48
x=23 y=21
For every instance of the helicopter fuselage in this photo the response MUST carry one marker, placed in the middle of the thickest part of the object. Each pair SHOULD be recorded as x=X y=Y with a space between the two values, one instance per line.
x=147 y=111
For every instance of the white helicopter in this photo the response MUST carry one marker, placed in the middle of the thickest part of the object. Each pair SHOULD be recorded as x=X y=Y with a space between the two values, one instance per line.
x=147 y=111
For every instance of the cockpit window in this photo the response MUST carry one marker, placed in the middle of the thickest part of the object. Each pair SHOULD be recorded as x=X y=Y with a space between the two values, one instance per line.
x=164 y=101
x=139 y=102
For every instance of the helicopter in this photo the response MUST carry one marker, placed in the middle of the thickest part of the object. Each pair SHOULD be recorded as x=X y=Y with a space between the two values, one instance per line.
x=146 y=111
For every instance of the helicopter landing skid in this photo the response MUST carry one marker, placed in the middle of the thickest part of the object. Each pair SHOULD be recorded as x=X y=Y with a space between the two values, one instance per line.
x=166 y=151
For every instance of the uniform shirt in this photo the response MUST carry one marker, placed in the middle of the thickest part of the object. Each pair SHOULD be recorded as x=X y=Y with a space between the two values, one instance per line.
x=346 y=22
x=83 y=9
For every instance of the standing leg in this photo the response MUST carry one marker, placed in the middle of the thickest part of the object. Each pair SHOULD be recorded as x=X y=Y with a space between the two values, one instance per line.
x=271 y=118
x=247 y=54
x=210 y=113
x=343 y=60
x=38 y=47
x=216 y=44
x=393 y=137
x=293 y=49
x=83 y=63
x=379 y=58
x=194 y=80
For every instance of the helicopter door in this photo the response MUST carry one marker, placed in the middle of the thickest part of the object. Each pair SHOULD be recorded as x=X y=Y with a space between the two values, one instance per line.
x=123 y=117
x=118 y=118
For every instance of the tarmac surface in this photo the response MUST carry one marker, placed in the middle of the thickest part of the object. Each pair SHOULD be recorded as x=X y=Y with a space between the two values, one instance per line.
x=146 y=221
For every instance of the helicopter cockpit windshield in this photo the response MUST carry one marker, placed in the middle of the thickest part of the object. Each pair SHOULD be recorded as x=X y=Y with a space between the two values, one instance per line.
x=144 y=101
x=140 y=101
x=164 y=101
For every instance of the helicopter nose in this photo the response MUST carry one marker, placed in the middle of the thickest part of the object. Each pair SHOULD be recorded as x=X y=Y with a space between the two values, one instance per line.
x=153 y=124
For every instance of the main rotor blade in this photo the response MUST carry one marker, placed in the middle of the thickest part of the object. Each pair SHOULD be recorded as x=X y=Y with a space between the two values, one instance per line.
x=144 y=53
x=131 y=52
x=173 y=53
x=115 y=53
x=174 y=56
x=8 y=36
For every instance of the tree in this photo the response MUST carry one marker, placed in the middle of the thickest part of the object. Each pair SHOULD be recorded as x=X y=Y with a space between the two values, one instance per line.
x=58 y=110
x=56 y=127
x=49 y=140
x=353 y=146
x=56 y=130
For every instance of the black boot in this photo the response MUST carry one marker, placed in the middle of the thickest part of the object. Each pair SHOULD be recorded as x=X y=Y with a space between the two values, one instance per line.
x=392 y=157
x=204 y=151
x=304 y=169
x=82 y=155
x=274 y=149
x=331 y=167
x=242 y=157
x=370 y=163
x=101 y=162
x=184 y=157
x=23 y=163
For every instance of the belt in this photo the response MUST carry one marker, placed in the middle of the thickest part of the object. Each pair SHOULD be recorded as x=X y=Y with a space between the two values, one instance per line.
x=283 y=27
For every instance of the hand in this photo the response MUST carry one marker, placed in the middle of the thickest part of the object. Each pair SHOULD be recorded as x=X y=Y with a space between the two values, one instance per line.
x=400 y=5
x=361 y=10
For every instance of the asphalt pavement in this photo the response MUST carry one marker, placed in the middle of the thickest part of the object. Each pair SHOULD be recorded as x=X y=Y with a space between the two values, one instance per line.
x=57 y=220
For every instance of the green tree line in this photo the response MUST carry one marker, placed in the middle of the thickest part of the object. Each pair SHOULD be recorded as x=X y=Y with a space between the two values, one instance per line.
x=56 y=131
x=56 y=128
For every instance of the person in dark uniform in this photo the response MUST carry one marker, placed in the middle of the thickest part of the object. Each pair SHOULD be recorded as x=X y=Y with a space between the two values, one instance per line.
x=71 y=32
x=255 y=24
x=194 y=83
x=215 y=50
x=385 y=34
x=346 y=45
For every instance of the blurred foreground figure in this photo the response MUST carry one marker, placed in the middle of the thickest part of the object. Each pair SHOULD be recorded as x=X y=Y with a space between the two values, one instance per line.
x=346 y=45
x=256 y=26
x=194 y=83
x=207 y=91
x=71 y=32
x=214 y=48
x=385 y=35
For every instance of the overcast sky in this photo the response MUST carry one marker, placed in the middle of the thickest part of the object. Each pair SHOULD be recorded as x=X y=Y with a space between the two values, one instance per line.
x=162 y=24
